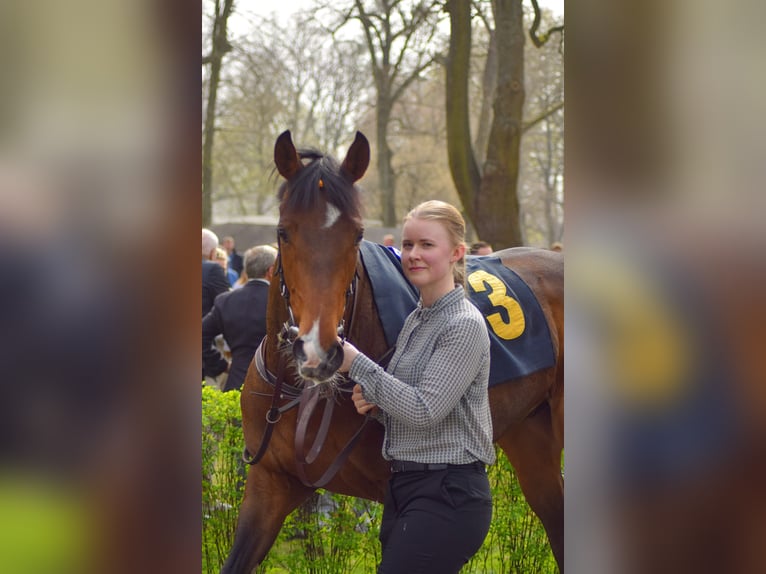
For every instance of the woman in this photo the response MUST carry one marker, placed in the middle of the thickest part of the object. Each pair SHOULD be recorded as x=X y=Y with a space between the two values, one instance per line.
x=434 y=405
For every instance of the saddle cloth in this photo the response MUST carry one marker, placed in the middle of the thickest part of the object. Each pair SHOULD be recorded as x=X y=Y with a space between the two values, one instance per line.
x=519 y=335
x=520 y=341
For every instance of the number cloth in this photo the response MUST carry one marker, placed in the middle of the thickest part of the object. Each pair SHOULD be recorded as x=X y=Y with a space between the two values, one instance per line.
x=521 y=340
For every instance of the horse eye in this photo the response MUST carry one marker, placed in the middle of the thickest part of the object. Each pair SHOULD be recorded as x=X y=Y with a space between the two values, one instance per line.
x=359 y=238
x=282 y=234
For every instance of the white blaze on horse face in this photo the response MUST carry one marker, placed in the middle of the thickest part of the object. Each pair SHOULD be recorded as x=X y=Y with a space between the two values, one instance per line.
x=331 y=215
x=311 y=347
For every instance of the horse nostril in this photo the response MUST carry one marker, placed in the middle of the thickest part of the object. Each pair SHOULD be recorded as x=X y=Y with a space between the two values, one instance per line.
x=298 y=352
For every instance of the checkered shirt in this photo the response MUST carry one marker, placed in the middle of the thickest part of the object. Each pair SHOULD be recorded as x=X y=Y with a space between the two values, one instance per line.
x=433 y=395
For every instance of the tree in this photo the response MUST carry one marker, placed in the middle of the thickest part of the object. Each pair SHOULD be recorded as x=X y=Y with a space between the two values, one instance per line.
x=399 y=37
x=282 y=75
x=489 y=194
x=220 y=46
x=542 y=153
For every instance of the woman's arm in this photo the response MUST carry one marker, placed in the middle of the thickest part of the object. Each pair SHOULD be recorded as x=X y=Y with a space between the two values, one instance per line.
x=459 y=354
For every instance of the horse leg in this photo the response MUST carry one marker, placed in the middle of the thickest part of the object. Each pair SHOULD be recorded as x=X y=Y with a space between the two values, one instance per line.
x=534 y=449
x=269 y=498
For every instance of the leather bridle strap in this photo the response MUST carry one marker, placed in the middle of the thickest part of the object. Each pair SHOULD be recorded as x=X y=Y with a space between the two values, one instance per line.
x=273 y=414
x=309 y=400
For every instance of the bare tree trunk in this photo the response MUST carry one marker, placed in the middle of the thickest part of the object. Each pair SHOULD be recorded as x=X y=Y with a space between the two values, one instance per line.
x=490 y=199
x=488 y=86
x=498 y=201
x=462 y=163
x=392 y=31
x=385 y=163
x=220 y=47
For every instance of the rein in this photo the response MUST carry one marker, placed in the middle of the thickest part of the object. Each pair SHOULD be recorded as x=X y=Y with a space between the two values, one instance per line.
x=309 y=401
x=306 y=399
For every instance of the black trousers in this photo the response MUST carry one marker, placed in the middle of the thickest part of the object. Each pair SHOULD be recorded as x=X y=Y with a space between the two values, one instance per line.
x=434 y=521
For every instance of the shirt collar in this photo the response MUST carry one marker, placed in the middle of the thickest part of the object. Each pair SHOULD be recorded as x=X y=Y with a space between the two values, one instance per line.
x=442 y=302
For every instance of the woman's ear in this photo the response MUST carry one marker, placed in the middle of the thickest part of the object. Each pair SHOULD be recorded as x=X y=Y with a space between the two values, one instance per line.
x=458 y=253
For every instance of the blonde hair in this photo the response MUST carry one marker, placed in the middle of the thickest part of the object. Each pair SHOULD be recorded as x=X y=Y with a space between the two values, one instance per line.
x=452 y=221
x=221 y=255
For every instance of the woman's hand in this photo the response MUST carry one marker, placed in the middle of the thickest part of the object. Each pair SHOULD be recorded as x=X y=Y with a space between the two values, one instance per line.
x=362 y=406
x=349 y=354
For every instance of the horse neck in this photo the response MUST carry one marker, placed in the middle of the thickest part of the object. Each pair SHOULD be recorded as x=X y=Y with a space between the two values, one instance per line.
x=276 y=316
x=366 y=331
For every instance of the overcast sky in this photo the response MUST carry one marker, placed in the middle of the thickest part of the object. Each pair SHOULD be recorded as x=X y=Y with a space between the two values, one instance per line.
x=265 y=7
x=239 y=21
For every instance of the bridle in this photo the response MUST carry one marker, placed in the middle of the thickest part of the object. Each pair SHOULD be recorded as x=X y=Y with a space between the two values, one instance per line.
x=289 y=331
x=306 y=398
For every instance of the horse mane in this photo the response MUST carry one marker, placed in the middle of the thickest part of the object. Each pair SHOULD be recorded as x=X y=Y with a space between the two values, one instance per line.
x=305 y=185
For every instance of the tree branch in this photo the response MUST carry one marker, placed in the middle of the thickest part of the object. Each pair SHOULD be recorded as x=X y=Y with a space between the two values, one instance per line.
x=531 y=123
x=539 y=41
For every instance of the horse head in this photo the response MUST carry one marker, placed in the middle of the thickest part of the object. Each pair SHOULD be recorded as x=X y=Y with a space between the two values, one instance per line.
x=319 y=232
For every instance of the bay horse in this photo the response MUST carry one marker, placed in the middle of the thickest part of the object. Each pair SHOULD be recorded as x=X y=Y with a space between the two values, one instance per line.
x=321 y=290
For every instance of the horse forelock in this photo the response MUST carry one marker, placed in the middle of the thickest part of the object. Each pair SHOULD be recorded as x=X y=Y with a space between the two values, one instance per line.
x=320 y=179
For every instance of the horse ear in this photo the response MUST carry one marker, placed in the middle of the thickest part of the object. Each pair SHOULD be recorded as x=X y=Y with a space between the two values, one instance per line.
x=285 y=156
x=357 y=158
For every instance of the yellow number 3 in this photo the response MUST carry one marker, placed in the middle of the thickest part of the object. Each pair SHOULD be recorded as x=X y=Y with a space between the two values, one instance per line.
x=479 y=281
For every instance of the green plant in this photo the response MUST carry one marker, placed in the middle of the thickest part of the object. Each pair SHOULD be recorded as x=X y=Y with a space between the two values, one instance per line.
x=329 y=533
x=333 y=534
x=222 y=474
x=516 y=542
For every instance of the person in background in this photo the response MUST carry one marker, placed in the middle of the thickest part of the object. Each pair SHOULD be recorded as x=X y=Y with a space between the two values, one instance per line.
x=480 y=248
x=235 y=259
x=241 y=280
x=388 y=242
x=222 y=258
x=240 y=316
x=433 y=402
x=214 y=280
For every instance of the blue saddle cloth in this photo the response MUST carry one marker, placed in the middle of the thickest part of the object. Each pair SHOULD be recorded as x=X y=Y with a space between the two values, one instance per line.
x=519 y=334
x=394 y=295
x=507 y=303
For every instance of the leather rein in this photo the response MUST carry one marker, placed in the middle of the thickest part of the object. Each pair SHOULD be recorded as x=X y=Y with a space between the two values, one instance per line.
x=306 y=398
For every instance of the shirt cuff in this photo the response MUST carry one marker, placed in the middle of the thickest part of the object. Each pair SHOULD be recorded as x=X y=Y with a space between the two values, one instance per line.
x=366 y=372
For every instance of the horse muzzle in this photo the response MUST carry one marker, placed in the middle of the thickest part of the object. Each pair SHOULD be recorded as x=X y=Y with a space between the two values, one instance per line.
x=314 y=363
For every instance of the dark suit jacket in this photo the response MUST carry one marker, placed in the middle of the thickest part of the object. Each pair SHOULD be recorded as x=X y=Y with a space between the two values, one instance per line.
x=214 y=282
x=240 y=316
x=235 y=262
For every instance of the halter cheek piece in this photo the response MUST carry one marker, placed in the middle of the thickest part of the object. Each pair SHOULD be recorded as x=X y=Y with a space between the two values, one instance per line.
x=289 y=331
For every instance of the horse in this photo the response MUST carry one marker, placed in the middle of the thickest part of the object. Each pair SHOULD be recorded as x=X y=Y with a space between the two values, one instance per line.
x=321 y=290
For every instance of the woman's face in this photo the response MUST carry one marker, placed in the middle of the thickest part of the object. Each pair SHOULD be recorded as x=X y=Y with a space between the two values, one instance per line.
x=427 y=253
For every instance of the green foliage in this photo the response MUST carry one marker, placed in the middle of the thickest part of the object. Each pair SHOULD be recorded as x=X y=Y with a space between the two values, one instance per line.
x=222 y=474
x=328 y=534
x=331 y=533
x=516 y=541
